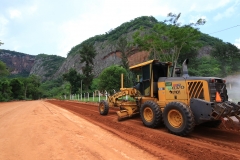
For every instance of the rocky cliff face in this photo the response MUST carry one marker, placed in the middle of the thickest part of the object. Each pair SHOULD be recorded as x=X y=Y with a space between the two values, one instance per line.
x=17 y=63
x=45 y=66
x=106 y=56
x=49 y=67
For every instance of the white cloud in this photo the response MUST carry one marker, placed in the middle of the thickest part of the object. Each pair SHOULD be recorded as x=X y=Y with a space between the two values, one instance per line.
x=237 y=43
x=72 y=33
x=22 y=11
x=187 y=6
x=214 y=4
x=32 y=9
x=229 y=12
x=14 y=13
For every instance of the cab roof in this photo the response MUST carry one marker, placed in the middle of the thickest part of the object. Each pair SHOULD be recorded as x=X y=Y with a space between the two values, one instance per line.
x=147 y=63
x=142 y=64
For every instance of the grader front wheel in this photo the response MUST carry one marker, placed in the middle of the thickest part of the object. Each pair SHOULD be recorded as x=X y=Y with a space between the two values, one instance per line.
x=148 y=114
x=103 y=107
x=178 y=118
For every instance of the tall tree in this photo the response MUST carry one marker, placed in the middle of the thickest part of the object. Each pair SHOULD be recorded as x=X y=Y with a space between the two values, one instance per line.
x=31 y=86
x=110 y=78
x=123 y=47
x=87 y=54
x=17 y=89
x=1 y=43
x=5 y=90
x=26 y=82
x=3 y=69
x=166 y=40
x=74 y=79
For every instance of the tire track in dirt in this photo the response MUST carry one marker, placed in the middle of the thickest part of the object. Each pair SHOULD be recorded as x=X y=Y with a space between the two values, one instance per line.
x=213 y=144
x=219 y=143
x=10 y=110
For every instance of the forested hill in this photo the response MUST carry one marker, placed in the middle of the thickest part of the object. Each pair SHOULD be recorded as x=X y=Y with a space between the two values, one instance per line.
x=22 y=65
x=114 y=34
x=203 y=62
x=129 y=27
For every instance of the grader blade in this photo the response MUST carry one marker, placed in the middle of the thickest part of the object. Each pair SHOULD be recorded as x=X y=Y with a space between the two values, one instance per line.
x=226 y=110
x=122 y=115
x=238 y=117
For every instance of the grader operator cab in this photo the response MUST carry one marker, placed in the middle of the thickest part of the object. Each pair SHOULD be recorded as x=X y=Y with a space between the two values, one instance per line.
x=178 y=102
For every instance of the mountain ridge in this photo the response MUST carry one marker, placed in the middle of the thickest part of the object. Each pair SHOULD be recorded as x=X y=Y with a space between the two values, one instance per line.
x=49 y=67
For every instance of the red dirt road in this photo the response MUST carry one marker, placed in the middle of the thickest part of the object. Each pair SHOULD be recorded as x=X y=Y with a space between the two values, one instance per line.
x=203 y=143
x=41 y=130
x=37 y=130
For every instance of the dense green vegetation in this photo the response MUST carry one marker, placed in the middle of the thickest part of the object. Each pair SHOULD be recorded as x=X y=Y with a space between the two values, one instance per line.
x=54 y=88
x=224 y=60
x=110 y=78
x=3 y=69
x=165 y=41
x=20 y=88
x=74 y=79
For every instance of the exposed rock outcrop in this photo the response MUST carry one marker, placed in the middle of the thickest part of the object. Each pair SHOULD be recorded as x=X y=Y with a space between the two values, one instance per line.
x=46 y=66
x=106 y=56
x=49 y=67
x=23 y=64
x=18 y=63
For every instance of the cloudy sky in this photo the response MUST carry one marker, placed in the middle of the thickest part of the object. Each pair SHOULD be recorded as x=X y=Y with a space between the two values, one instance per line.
x=54 y=26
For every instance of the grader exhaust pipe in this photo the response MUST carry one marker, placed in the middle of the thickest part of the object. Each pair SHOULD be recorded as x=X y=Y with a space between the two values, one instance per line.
x=185 y=68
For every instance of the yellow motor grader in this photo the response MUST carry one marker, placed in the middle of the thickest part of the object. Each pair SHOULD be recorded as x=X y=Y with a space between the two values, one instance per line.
x=161 y=95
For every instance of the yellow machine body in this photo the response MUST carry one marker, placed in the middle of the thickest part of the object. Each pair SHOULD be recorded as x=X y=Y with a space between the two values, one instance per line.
x=181 y=101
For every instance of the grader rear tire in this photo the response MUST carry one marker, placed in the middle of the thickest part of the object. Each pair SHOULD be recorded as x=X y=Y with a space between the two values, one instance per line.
x=103 y=107
x=178 y=118
x=151 y=114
